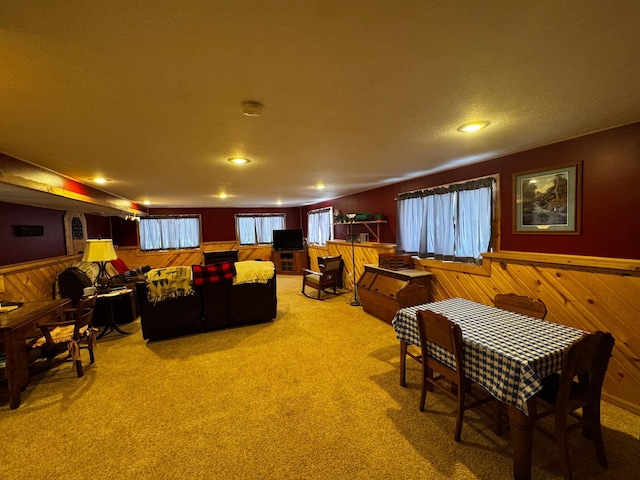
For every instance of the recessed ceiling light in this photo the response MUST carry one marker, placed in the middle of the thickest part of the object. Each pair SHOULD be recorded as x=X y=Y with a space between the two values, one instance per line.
x=473 y=126
x=320 y=186
x=147 y=202
x=239 y=161
x=100 y=180
x=252 y=109
x=223 y=195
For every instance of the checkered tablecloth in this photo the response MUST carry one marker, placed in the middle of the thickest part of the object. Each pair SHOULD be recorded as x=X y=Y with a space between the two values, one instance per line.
x=505 y=352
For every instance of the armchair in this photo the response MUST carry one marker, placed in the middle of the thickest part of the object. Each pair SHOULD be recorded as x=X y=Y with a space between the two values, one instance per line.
x=327 y=278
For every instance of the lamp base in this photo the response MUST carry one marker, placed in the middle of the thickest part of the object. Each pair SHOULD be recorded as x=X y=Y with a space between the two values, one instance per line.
x=355 y=301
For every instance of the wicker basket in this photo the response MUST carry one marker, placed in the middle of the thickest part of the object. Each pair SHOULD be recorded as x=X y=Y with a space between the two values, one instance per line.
x=395 y=262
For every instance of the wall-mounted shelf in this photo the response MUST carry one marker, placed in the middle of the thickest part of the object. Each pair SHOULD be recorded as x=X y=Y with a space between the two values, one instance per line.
x=368 y=224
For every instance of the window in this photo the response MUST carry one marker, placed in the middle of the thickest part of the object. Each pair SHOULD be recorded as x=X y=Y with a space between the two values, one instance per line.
x=451 y=223
x=257 y=228
x=320 y=226
x=169 y=232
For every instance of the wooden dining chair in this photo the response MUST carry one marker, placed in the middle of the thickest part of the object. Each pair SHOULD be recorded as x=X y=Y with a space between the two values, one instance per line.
x=326 y=278
x=436 y=331
x=66 y=335
x=520 y=304
x=412 y=294
x=577 y=386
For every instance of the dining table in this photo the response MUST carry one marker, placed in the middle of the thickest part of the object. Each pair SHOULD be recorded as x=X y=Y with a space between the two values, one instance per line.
x=507 y=353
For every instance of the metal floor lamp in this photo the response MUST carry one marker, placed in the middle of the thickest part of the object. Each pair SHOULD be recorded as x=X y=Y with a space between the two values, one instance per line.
x=355 y=301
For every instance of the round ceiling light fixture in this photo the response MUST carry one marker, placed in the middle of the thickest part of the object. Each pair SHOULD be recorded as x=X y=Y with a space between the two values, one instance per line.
x=239 y=160
x=252 y=109
x=473 y=126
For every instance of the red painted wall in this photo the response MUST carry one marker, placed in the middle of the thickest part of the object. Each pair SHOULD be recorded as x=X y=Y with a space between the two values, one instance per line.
x=98 y=226
x=610 y=194
x=23 y=249
x=610 y=199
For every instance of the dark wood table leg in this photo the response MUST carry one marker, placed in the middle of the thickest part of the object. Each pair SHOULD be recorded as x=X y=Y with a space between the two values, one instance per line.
x=16 y=367
x=111 y=324
x=522 y=439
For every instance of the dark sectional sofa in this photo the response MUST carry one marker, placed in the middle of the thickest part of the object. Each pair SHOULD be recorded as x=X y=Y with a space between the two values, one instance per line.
x=214 y=306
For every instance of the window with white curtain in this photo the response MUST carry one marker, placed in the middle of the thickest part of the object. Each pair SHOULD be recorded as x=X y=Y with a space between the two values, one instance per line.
x=169 y=232
x=257 y=228
x=320 y=226
x=451 y=223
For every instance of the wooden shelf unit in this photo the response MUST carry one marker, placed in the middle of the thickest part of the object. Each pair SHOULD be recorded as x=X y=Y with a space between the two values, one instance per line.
x=368 y=224
x=378 y=289
x=289 y=262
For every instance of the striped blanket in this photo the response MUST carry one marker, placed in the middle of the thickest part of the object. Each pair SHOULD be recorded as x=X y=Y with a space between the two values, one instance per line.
x=170 y=282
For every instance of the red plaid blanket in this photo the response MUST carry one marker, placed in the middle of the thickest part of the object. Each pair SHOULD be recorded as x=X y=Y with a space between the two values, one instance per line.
x=215 y=272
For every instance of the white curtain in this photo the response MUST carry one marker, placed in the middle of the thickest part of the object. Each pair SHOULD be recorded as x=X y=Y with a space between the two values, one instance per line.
x=167 y=233
x=450 y=223
x=410 y=217
x=320 y=226
x=473 y=235
x=256 y=229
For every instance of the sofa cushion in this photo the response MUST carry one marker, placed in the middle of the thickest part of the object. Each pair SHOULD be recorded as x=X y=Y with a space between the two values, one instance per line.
x=119 y=265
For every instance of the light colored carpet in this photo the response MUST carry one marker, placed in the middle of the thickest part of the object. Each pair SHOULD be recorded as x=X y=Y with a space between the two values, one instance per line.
x=313 y=395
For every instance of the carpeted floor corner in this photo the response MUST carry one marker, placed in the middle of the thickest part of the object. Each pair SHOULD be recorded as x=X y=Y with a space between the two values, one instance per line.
x=313 y=395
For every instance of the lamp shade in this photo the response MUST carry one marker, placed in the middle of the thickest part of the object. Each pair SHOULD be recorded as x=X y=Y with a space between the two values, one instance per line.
x=99 y=250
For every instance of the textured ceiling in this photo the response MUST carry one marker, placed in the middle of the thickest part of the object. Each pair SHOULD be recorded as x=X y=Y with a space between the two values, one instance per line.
x=357 y=94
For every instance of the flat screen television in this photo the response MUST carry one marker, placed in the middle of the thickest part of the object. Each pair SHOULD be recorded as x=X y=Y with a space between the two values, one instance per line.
x=287 y=239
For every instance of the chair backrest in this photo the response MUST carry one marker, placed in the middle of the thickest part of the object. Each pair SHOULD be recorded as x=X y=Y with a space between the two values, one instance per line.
x=330 y=271
x=83 y=315
x=439 y=330
x=520 y=304
x=587 y=359
x=332 y=264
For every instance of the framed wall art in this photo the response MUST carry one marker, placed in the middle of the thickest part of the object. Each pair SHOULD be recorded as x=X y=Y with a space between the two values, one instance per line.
x=548 y=201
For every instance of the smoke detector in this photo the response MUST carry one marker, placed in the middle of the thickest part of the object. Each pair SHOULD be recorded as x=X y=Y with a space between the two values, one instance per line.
x=252 y=109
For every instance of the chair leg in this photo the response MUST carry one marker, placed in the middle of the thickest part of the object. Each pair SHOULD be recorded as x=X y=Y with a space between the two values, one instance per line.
x=563 y=446
x=79 y=368
x=459 y=413
x=403 y=363
x=594 y=431
x=423 y=393
x=91 y=356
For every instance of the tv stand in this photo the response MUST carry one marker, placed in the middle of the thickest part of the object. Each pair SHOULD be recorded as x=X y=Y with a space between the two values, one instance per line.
x=289 y=262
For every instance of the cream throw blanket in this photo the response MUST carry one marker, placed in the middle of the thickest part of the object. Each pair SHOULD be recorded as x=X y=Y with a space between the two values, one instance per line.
x=170 y=282
x=252 y=271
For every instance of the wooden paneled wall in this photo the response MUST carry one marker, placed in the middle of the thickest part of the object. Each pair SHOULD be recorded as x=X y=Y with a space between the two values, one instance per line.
x=590 y=293
x=133 y=257
x=363 y=253
x=32 y=281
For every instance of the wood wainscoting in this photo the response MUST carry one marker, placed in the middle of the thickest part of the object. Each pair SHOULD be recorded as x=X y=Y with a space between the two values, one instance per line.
x=32 y=281
x=590 y=293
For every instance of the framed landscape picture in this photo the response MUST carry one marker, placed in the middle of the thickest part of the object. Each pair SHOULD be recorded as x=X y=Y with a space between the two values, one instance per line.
x=548 y=201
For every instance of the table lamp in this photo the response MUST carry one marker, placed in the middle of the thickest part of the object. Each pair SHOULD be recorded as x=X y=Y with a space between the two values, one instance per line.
x=99 y=251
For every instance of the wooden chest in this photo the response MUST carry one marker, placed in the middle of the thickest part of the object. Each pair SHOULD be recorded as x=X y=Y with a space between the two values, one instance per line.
x=378 y=289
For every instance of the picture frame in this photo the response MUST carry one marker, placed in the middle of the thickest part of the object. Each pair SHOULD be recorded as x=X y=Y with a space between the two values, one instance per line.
x=548 y=201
